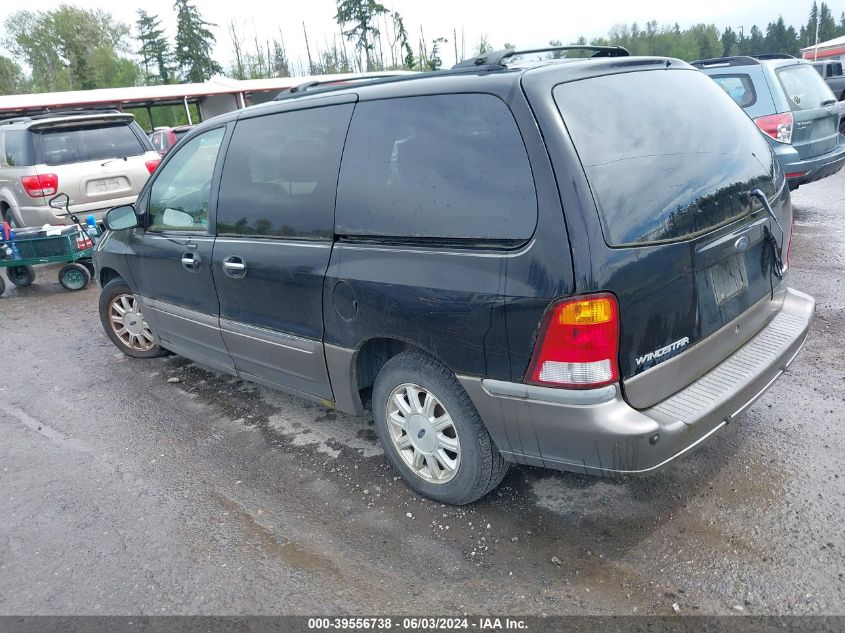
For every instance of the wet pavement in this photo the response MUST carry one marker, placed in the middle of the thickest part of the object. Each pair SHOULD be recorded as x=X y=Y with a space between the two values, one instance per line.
x=125 y=491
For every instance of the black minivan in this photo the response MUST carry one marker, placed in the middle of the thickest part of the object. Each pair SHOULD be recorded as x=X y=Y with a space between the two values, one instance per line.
x=576 y=264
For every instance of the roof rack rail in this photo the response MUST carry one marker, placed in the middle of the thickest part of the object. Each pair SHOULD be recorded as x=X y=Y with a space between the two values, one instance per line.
x=308 y=85
x=14 y=119
x=496 y=58
x=47 y=114
x=773 y=56
x=736 y=60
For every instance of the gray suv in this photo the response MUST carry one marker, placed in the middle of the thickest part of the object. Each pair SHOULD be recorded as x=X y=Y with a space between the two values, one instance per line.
x=100 y=159
x=792 y=105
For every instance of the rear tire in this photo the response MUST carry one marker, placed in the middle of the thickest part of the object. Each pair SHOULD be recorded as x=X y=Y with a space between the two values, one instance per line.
x=120 y=317
x=21 y=276
x=2 y=286
x=439 y=443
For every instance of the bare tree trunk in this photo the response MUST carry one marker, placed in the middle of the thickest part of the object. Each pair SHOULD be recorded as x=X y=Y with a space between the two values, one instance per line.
x=455 y=40
x=308 y=50
x=345 y=56
x=236 y=49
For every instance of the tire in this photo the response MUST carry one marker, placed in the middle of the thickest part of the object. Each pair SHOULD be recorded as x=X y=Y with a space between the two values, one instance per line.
x=116 y=291
x=21 y=276
x=74 y=277
x=477 y=466
x=2 y=286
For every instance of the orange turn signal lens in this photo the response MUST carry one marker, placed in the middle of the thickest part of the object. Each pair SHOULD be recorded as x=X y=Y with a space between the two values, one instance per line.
x=586 y=312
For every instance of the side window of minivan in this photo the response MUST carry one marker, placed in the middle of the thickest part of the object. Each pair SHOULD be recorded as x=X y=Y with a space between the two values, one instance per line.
x=441 y=166
x=180 y=194
x=280 y=174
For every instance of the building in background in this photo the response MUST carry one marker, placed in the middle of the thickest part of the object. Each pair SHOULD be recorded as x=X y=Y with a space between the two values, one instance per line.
x=829 y=51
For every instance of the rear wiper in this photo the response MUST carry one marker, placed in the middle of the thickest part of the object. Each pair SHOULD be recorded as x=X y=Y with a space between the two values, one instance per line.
x=829 y=102
x=762 y=198
x=111 y=160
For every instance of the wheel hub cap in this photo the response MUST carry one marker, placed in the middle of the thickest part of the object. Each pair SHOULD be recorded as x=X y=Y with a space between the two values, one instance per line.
x=133 y=322
x=422 y=434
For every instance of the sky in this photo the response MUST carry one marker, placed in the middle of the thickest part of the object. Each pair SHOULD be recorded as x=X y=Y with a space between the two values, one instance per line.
x=525 y=23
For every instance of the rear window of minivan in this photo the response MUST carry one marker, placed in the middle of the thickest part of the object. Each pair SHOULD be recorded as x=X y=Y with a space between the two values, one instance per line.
x=668 y=154
x=77 y=144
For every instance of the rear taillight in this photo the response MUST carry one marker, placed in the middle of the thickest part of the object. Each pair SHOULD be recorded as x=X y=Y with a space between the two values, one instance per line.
x=40 y=186
x=778 y=126
x=152 y=164
x=578 y=344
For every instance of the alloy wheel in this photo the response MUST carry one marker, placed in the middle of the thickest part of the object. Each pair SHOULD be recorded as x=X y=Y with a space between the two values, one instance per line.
x=129 y=324
x=423 y=433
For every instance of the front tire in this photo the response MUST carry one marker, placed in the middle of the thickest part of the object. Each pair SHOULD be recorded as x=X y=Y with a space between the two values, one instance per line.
x=431 y=431
x=123 y=322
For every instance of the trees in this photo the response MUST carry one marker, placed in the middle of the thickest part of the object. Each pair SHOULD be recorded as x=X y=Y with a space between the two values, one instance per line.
x=362 y=15
x=70 y=48
x=156 y=56
x=12 y=80
x=194 y=43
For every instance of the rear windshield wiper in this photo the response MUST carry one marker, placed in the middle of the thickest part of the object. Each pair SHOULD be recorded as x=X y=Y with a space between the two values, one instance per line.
x=111 y=160
x=829 y=102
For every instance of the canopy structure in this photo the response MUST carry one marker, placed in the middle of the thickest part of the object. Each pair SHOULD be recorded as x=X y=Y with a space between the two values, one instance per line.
x=213 y=97
x=830 y=50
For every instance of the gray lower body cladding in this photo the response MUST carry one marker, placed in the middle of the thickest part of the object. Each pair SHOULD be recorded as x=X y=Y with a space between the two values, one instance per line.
x=598 y=432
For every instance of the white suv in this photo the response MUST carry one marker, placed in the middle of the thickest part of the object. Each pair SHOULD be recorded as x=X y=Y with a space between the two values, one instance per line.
x=100 y=159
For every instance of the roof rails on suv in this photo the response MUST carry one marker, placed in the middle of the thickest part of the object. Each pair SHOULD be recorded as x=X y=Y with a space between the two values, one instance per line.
x=739 y=60
x=496 y=58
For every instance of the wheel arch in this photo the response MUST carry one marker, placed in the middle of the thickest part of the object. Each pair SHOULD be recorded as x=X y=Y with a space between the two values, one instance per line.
x=107 y=274
x=353 y=371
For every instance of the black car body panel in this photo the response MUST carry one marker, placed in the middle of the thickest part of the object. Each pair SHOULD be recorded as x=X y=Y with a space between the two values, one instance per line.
x=297 y=274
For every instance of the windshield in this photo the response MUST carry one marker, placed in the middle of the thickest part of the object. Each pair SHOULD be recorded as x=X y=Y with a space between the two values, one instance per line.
x=804 y=88
x=64 y=145
x=668 y=153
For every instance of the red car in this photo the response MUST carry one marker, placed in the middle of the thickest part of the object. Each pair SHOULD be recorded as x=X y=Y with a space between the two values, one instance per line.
x=163 y=138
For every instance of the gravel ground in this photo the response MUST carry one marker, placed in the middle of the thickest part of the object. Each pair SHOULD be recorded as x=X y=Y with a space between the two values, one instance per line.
x=155 y=486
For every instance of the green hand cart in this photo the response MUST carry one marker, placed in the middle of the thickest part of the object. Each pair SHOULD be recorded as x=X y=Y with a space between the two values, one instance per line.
x=34 y=247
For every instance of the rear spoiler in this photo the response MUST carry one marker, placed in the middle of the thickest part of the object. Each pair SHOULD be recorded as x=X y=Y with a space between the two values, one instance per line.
x=82 y=119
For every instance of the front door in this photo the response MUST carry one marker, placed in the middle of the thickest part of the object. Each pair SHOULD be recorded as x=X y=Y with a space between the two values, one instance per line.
x=275 y=218
x=173 y=252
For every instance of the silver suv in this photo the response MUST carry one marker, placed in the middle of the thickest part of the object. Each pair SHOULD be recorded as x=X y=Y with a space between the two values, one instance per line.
x=100 y=159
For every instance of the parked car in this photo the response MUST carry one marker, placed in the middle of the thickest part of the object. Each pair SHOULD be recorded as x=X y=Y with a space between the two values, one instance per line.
x=499 y=278
x=791 y=104
x=101 y=159
x=164 y=138
x=831 y=72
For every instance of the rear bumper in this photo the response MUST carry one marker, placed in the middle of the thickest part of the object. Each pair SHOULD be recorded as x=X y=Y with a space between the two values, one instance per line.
x=597 y=432
x=44 y=214
x=811 y=169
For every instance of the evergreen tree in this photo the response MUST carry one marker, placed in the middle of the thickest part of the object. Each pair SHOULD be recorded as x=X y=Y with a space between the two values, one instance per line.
x=362 y=15
x=194 y=43
x=827 y=25
x=156 y=56
x=730 y=42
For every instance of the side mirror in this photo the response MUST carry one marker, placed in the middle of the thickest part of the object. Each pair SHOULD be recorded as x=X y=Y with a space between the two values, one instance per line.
x=120 y=218
x=61 y=202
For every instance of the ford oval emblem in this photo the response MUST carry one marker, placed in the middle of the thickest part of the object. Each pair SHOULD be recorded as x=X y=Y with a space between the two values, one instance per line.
x=742 y=243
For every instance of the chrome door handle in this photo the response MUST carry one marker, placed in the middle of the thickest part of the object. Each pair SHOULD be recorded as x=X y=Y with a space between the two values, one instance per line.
x=191 y=261
x=234 y=266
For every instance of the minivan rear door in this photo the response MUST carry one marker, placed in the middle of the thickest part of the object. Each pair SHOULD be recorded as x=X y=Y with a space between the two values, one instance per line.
x=814 y=110
x=684 y=243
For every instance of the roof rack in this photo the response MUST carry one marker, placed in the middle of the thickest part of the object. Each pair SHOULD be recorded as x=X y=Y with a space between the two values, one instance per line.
x=737 y=60
x=308 y=85
x=496 y=58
